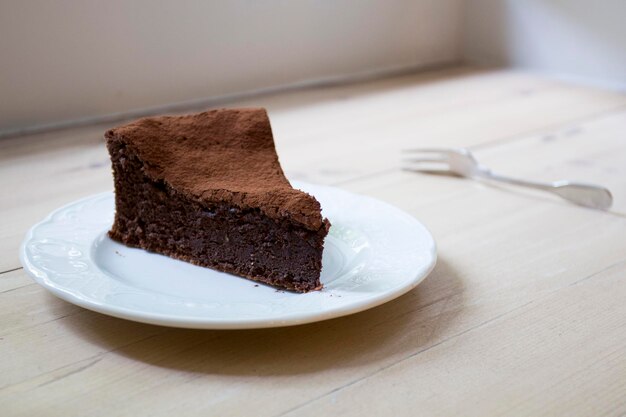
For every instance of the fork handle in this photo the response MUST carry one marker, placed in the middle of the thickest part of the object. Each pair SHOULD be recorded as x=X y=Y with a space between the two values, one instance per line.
x=587 y=195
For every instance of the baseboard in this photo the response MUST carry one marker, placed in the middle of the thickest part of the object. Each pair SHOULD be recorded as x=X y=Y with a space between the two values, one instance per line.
x=326 y=82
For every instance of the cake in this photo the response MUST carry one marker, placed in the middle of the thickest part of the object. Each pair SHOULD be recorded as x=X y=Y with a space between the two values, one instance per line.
x=208 y=189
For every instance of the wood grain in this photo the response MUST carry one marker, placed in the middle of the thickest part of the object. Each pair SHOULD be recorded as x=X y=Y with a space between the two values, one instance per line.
x=523 y=314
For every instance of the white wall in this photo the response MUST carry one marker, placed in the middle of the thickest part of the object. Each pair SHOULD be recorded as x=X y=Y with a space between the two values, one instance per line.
x=578 y=39
x=66 y=59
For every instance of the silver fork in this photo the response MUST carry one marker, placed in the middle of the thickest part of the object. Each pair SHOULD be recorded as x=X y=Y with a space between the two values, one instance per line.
x=460 y=161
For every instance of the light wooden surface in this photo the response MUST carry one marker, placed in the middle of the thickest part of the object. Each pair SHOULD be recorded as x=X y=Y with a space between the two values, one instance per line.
x=525 y=313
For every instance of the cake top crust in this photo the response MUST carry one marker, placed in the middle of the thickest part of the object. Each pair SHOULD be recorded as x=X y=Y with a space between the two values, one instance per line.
x=222 y=155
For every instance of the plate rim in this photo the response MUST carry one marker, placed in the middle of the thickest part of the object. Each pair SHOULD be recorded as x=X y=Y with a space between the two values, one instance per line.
x=298 y=318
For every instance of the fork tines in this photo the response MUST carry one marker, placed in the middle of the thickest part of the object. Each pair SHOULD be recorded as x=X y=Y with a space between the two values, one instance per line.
x=427 y=160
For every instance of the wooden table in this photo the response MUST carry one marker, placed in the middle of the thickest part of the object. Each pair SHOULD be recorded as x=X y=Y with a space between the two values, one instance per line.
x=525 y=313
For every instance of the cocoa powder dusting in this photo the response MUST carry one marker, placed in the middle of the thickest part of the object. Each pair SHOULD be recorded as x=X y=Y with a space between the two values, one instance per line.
x=223 y=155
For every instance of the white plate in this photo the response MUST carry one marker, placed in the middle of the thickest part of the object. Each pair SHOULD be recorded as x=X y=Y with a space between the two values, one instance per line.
x=373 y=253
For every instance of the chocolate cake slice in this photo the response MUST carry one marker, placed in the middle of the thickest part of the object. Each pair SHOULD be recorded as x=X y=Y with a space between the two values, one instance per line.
x=208 y=189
